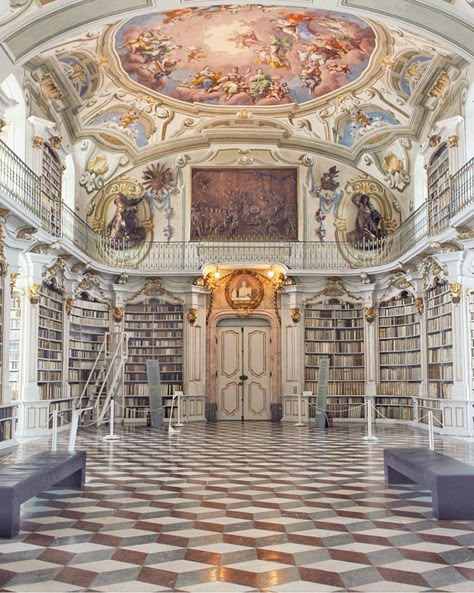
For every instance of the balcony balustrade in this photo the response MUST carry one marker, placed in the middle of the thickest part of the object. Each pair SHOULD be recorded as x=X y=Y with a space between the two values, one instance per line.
x=19 y=185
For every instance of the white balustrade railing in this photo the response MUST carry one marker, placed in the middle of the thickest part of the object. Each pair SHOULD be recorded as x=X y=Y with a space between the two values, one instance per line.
x=23 y=186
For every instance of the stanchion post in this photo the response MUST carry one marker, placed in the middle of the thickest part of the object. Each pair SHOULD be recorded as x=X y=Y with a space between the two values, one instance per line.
x=430 y=430
x=369 y=436
x=54 y=439
x=299 y=423
x=73 y=432
x=111 y=436
x=179 y=394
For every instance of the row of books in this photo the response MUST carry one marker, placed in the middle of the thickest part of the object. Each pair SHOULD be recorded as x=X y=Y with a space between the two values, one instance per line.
x=6 y=430
x=334 y=334
x=337 y=374
x=141 y=389
x=49 y=365
x=439 y=323
x=345 y=360
x=334 y=347
x=400 y=358
x=402 y=331
x=401 y=374
x=334 y=323
x=440 y=339
x=398 y=388
x=438 y=372
x=351 y=388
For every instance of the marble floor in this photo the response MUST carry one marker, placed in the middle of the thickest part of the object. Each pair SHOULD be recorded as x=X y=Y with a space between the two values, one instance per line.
x=240 y=507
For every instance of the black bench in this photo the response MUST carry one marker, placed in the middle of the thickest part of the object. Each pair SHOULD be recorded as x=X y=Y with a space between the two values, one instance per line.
x=451 y=481
x=20 y=481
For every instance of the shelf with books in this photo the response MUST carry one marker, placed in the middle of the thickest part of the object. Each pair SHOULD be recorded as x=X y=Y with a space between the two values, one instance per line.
x=394 y=408
x=335 y=330
x=439 y=341
x=14 y=347
x=88 y=323
x=50 y=343
x=7 y=424
x=439 y=188
x=399 y=335
x=155 y=332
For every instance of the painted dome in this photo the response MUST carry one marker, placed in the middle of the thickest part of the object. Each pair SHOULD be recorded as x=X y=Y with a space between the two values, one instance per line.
x=245 y=54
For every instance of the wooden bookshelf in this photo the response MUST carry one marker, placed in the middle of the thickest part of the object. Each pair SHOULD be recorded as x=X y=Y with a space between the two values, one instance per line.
x=14 y=349
x=155 y=332
x=336 y=330
x=400 y=372
x=439 y=188
x=440 y=342
x=88 y=323
x=50 y=343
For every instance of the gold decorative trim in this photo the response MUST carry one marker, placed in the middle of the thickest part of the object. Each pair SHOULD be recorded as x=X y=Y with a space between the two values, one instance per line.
x=192 y=315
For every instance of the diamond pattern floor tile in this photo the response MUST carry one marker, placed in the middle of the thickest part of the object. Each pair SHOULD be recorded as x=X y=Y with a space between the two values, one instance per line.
x=239 y=507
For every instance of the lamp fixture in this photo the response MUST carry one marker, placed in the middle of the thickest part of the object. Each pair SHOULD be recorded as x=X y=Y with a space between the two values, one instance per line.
x=217 y=274
x=270 y=273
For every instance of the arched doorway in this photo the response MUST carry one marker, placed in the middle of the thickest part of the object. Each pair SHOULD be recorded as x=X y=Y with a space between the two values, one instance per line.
x=243 y=385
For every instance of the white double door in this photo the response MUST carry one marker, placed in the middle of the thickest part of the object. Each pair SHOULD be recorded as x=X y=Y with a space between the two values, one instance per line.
x=243 y=370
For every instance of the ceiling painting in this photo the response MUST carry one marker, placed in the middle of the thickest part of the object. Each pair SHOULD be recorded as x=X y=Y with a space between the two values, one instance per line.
x=245 y=55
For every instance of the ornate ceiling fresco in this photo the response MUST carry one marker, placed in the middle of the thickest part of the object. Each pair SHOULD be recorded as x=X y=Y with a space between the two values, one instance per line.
x=245 y=55
x=154 y=94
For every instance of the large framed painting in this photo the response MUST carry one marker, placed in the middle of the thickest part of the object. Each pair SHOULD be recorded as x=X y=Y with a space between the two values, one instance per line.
x=230 y=204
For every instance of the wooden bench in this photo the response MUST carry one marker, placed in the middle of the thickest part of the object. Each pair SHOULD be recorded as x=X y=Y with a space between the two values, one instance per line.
x=451 y=481
x=20 y=481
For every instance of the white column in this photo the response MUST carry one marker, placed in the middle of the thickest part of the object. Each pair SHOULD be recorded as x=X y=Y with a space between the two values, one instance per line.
x=194 y=338
x=292 y=341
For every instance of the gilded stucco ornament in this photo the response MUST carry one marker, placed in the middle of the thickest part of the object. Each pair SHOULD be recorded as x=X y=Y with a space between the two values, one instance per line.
x=69 y=305
x=456 y=291
x=13 y=279
x=370 y=314
x=419 y=305
x=3 y=123
x=453 y=141
x=38 y=142
x=192 y=315
x=34 y=293
x=118 y=314
x=295 y=314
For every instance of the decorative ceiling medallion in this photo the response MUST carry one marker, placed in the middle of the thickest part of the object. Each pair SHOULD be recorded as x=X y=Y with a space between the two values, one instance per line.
x=244 y=291
x=245 y=54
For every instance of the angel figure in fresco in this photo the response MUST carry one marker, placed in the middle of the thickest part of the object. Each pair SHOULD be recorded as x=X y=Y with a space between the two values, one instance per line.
x=231 y=83
x=369 y=222
x=124 y=224
x=205 y=78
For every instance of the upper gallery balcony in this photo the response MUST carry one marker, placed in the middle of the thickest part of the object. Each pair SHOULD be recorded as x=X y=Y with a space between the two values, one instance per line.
x=23 y=193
